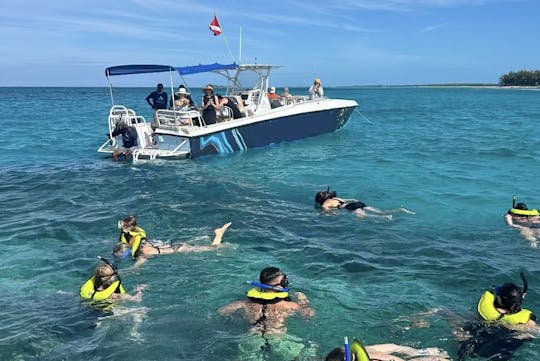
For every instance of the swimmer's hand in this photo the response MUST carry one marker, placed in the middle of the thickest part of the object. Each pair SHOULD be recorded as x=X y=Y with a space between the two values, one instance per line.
x=302 y=299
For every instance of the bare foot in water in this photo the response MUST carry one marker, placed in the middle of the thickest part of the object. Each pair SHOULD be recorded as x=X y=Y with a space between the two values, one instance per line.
x=219 y=233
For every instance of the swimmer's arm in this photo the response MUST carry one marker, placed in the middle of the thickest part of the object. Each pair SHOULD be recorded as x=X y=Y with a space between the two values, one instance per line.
x=508 y=220
x=389 y=348
x=303 y=305
x=137 y=297
x=230 y=308
x=139 y=261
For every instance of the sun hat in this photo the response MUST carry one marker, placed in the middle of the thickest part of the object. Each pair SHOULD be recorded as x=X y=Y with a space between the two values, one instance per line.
x=182 y=91
x=208 y=87
x=273 y=89
x=317 y=80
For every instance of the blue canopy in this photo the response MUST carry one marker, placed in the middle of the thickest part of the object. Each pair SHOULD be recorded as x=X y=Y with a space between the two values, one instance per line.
x=143 y=69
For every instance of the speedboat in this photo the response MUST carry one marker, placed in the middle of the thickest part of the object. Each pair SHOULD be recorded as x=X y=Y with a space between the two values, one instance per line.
x=263 y=121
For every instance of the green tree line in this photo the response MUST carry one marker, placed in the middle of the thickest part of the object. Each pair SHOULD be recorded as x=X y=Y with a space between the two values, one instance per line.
x=521 y=78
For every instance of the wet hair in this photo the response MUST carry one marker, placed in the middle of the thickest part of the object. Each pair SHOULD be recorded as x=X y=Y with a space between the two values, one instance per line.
x=269 y=273
x=129 y=221
x=322 y=196
x=509 y=297
x=521 y=206
x=120 y=249
x=338 y=354
x=104 y=276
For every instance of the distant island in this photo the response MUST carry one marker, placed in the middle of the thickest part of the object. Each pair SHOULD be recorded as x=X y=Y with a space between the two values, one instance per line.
x=520 y=78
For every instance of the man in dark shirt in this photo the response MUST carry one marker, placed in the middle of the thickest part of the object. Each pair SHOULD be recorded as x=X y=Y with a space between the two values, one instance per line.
x=158 y=97
x=129 y=140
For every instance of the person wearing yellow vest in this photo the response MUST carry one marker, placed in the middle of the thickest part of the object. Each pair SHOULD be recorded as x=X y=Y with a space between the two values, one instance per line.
x=526 y=220
x=503 y=305
x=131 y=234
x=268 y=303
x=358 y=352
x=147 y=249
x=504 y=325
x=105 y=284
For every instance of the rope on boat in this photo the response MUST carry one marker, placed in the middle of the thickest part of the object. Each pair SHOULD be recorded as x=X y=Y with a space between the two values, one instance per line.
x=363 y=116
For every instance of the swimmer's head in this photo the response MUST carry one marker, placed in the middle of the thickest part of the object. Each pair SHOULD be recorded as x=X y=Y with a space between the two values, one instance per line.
x=509 y=297
x=274 y=277
x=104 y=275
x=338 y=354
x=127 y=222
x=121 y=250
x=521 y=206
x=322 y=196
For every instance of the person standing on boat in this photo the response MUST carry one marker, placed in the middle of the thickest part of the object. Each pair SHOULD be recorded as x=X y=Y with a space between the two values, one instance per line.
x=316 y=90
x=159 y=98
x=210 y=103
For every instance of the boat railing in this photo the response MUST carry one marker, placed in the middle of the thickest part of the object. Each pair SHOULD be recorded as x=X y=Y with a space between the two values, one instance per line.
x=121 y=114
x=173 y=119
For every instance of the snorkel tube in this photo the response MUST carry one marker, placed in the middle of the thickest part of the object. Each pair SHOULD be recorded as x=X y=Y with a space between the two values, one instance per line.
x=525 y=285
x=514 y=201
x=347 y=349
x=268 y=287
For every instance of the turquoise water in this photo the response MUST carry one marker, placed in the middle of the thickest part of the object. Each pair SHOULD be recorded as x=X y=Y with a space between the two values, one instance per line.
x=454 y=156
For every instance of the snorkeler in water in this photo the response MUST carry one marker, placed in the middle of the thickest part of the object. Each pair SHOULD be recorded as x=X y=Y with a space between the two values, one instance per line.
x=329 y=200
x=144 y=249
x=526 y=220
x=106 y=284
x=357 y=352
x=268 y=303
x=505 y=325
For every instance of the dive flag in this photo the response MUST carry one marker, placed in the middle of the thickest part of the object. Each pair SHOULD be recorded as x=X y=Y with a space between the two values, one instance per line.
x=215 y=27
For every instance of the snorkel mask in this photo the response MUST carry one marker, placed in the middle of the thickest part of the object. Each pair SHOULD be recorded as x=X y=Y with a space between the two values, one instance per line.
x=283 y=284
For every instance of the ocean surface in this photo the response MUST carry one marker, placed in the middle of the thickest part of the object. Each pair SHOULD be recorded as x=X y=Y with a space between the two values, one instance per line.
x=455 y=156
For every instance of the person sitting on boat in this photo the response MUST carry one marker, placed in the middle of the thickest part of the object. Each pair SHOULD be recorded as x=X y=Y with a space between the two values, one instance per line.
x=268 y=304
x=181 y=104
x=316 y=90
x=158 y=98
x=105 y=284
x=231 y=103
x=329 y=200
x=357 y=352
x=286 y=93
x=188 y=95
x=129 y=140
x=275 y=100
x=210 y=103
x=526 y=220
x=145 y=249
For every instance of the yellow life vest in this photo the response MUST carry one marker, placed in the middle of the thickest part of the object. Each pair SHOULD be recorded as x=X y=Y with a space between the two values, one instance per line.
x=135 y=240
x=359 y=351
x=88 y=291
x=267 y=296
x=486 y=309
x=526 y=213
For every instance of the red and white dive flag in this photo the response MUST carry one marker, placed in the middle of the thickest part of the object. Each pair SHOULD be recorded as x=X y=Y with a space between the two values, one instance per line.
x=215 y=27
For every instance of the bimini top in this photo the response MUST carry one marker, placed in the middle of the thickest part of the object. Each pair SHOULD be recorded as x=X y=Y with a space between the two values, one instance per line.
x=149 y=68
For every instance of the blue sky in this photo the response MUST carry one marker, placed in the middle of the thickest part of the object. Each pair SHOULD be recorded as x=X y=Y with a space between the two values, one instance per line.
x=343 y=42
